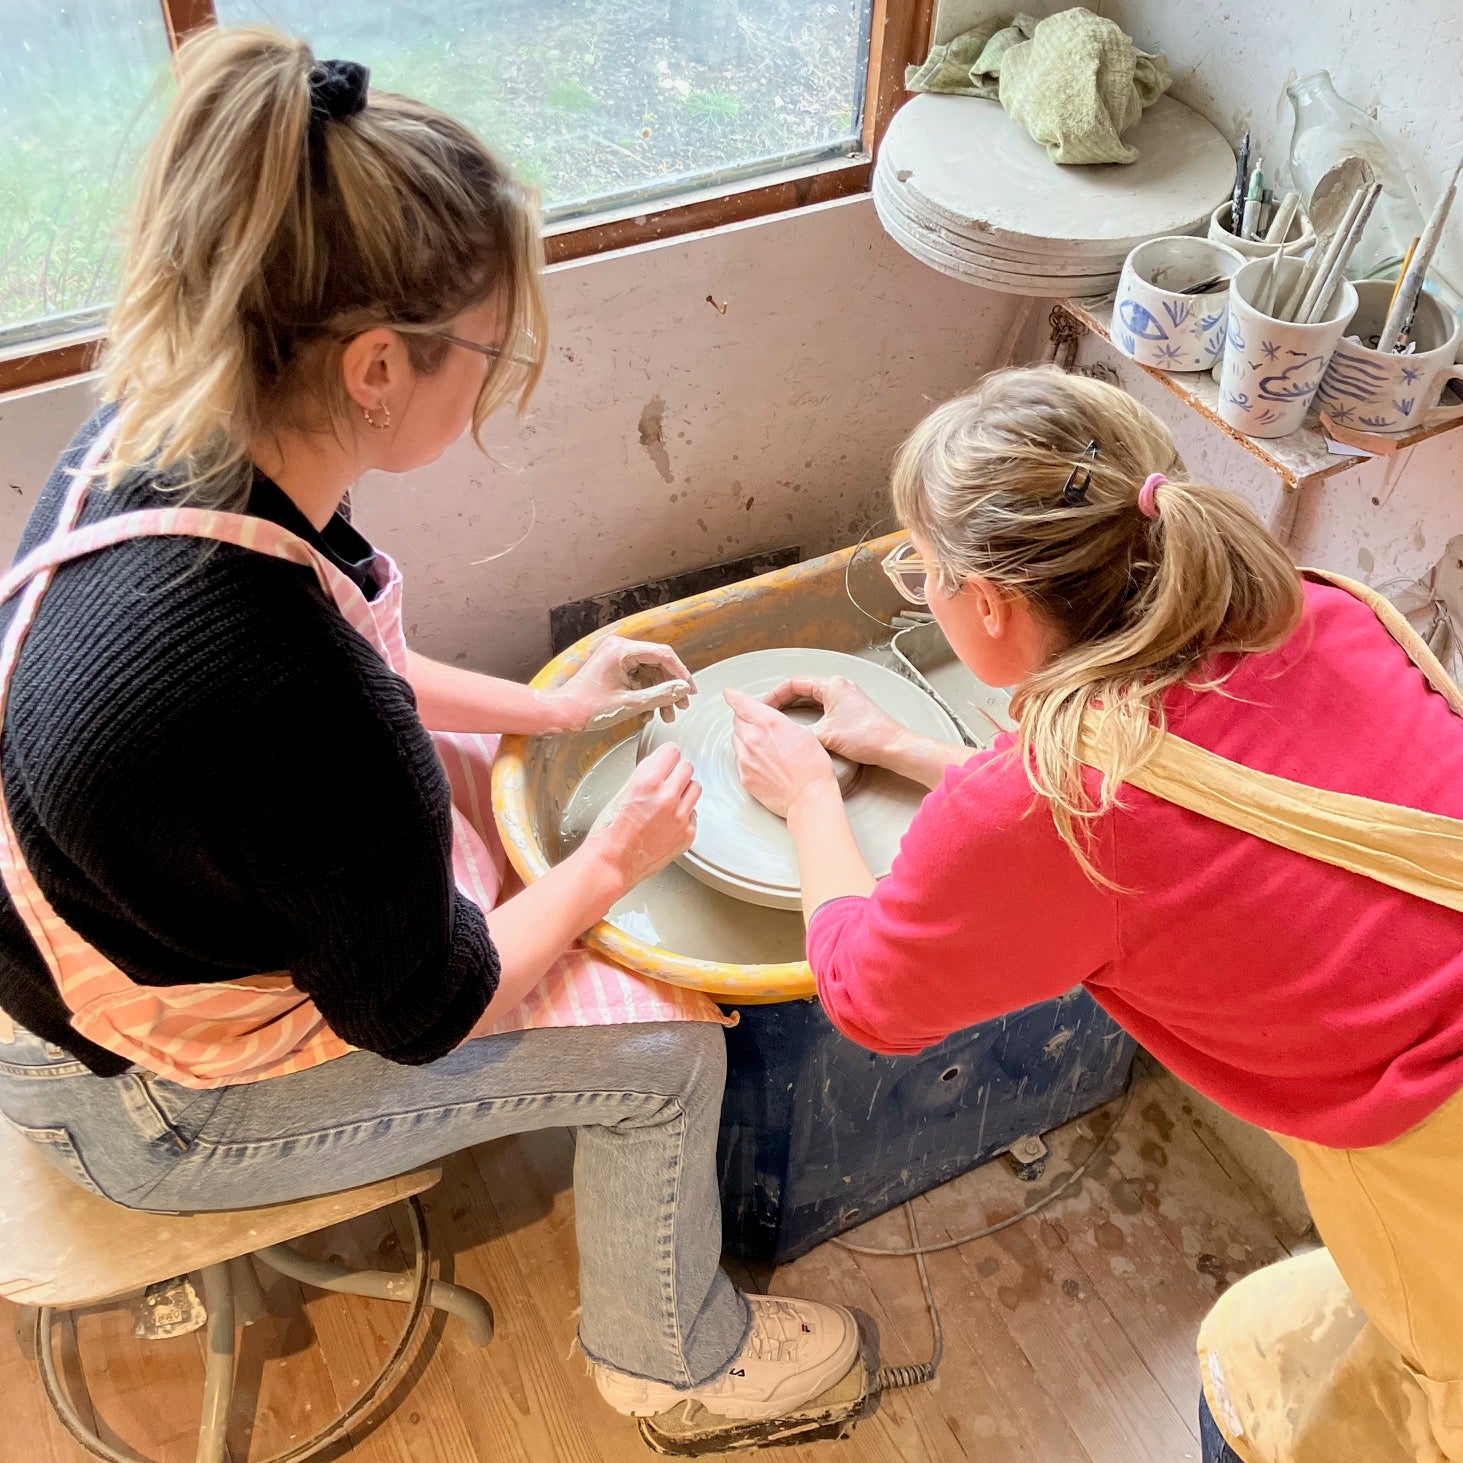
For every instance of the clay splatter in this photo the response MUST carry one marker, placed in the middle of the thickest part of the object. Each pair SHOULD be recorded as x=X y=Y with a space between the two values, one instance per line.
x=652 y=436
x=1158 y=1120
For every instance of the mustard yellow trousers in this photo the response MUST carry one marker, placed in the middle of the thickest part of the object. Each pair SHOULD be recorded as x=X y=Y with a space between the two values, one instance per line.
x=1353 y=1353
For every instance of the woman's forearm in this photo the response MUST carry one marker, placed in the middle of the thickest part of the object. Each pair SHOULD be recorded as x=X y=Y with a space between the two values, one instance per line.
x=452 y=699
x=922 y=759
x=532 y=928
x=829 y=861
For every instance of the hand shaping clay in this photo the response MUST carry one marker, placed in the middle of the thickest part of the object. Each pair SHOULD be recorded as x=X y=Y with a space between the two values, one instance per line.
x=743 y=850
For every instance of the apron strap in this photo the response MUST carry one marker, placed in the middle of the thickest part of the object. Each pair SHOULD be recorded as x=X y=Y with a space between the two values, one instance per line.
x=1396 y=625
x=1417 y=852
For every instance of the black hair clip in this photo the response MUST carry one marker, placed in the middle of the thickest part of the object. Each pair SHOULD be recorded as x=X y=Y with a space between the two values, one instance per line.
x=1074 y=494
x=337 y=90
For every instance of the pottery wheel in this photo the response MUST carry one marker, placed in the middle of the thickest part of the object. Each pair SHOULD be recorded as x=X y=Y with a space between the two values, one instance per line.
x=743 y=850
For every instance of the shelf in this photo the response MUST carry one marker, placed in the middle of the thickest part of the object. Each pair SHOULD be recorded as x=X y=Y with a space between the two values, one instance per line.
x=1298 y=458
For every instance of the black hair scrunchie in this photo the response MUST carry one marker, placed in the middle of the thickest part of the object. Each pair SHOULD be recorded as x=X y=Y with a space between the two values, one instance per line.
x=337 y=90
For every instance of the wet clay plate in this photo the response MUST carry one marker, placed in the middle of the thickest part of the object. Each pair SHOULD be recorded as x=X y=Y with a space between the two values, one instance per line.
x=743 y=850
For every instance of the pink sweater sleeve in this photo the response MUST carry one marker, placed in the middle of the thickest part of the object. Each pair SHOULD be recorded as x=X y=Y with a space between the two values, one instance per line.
x=985 y=911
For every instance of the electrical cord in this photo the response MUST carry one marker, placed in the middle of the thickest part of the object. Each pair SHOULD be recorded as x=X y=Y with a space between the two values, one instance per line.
x=922 y=1372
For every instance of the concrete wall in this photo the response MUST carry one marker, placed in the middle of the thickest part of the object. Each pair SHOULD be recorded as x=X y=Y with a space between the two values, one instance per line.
x=671 y=430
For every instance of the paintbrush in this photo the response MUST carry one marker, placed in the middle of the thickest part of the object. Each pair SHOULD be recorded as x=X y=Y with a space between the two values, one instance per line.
x=1406 y=260
x=1324 y=255
x=1337 y=272
x=1404 y=301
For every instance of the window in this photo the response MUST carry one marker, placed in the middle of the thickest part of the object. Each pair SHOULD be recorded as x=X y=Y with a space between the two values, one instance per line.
x=79 y=96
x=633 y=118
x=606 y=103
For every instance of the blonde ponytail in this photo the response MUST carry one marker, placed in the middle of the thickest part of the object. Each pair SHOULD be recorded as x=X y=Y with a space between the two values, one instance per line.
x=1140 y=603
x=262 y=240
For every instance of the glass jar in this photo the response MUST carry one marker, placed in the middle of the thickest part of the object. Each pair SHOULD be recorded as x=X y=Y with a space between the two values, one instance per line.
x=1328 y=128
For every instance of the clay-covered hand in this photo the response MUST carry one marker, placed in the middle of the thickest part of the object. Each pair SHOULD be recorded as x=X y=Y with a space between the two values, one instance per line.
x=777 y=760
x=852 y=725
x=621 y=678
x=652 y=821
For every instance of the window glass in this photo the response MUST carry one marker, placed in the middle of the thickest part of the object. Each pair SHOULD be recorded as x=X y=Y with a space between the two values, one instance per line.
x=603 y=103
x=82 y=84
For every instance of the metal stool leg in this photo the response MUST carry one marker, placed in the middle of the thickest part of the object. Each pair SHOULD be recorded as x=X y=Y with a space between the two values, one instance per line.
x=467 y=1305
x=60 y=1402
x=221 y=1291
x=249 y=1302
x=218 y=1366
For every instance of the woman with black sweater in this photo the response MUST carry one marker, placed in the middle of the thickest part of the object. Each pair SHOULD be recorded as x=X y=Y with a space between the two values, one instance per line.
x=249 y=948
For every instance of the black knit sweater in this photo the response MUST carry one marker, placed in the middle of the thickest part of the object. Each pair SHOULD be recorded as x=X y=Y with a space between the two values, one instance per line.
x=212 y=775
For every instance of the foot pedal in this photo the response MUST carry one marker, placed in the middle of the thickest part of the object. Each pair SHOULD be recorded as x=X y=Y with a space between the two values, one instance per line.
x=169 y=1308
x=690 y=1431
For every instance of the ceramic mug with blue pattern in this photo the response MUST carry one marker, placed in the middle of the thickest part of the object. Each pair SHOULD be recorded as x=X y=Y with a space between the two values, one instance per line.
x=1155 y=322
x=1375 y=392
x=1273 y=367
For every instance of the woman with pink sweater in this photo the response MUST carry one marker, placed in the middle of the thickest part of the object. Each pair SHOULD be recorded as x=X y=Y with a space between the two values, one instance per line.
x=1229 y=811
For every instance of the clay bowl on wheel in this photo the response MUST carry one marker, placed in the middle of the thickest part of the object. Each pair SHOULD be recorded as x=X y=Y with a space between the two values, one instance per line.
x=743 y=850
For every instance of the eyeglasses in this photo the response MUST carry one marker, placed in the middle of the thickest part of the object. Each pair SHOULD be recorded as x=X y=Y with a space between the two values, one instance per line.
x=908 y=573
x=492 y=352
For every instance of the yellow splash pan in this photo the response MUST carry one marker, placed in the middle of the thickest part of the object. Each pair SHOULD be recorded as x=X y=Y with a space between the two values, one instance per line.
x=534 y=777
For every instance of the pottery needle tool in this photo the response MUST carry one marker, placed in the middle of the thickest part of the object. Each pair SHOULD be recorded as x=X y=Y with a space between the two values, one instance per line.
x=1252 y=200
x=1404 y=302
x=1284 y=217
x=1344 y=251
x=1241 y=177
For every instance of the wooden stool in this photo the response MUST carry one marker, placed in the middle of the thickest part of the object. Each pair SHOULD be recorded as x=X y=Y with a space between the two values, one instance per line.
x=62 y=1247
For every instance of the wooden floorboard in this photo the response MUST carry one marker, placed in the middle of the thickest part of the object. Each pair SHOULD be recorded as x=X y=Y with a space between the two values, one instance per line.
x=1068 y=1337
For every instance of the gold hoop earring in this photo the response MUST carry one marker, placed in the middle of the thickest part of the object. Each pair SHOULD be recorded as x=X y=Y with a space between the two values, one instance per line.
x=372 y=422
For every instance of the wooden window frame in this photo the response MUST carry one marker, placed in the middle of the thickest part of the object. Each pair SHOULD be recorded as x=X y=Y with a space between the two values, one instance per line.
x=899 y=33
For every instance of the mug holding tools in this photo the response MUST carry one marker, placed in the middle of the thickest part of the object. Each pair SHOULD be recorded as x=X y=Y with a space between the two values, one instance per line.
x=1172 y=301
x=1385 y=391
x=1272 y=367
x=1297 y=238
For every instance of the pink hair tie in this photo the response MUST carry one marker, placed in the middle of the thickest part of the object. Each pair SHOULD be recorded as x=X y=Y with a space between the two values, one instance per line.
x=1148 y=494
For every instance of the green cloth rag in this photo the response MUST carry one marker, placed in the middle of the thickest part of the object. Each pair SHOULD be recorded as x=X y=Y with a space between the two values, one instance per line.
x=1074 y=81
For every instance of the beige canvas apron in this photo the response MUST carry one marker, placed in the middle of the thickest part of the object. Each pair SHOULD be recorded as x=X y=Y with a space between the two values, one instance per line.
x=1354 y=1353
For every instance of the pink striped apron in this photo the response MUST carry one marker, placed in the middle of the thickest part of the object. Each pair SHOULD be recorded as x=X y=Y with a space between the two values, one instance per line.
x=222 y=1032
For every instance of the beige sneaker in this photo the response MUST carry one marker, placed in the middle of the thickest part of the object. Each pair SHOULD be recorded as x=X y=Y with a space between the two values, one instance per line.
x=795 y=1350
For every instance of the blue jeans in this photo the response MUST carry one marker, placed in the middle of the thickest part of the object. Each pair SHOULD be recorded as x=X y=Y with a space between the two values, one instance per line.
x=1212 y=1447
x=644 y=1101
